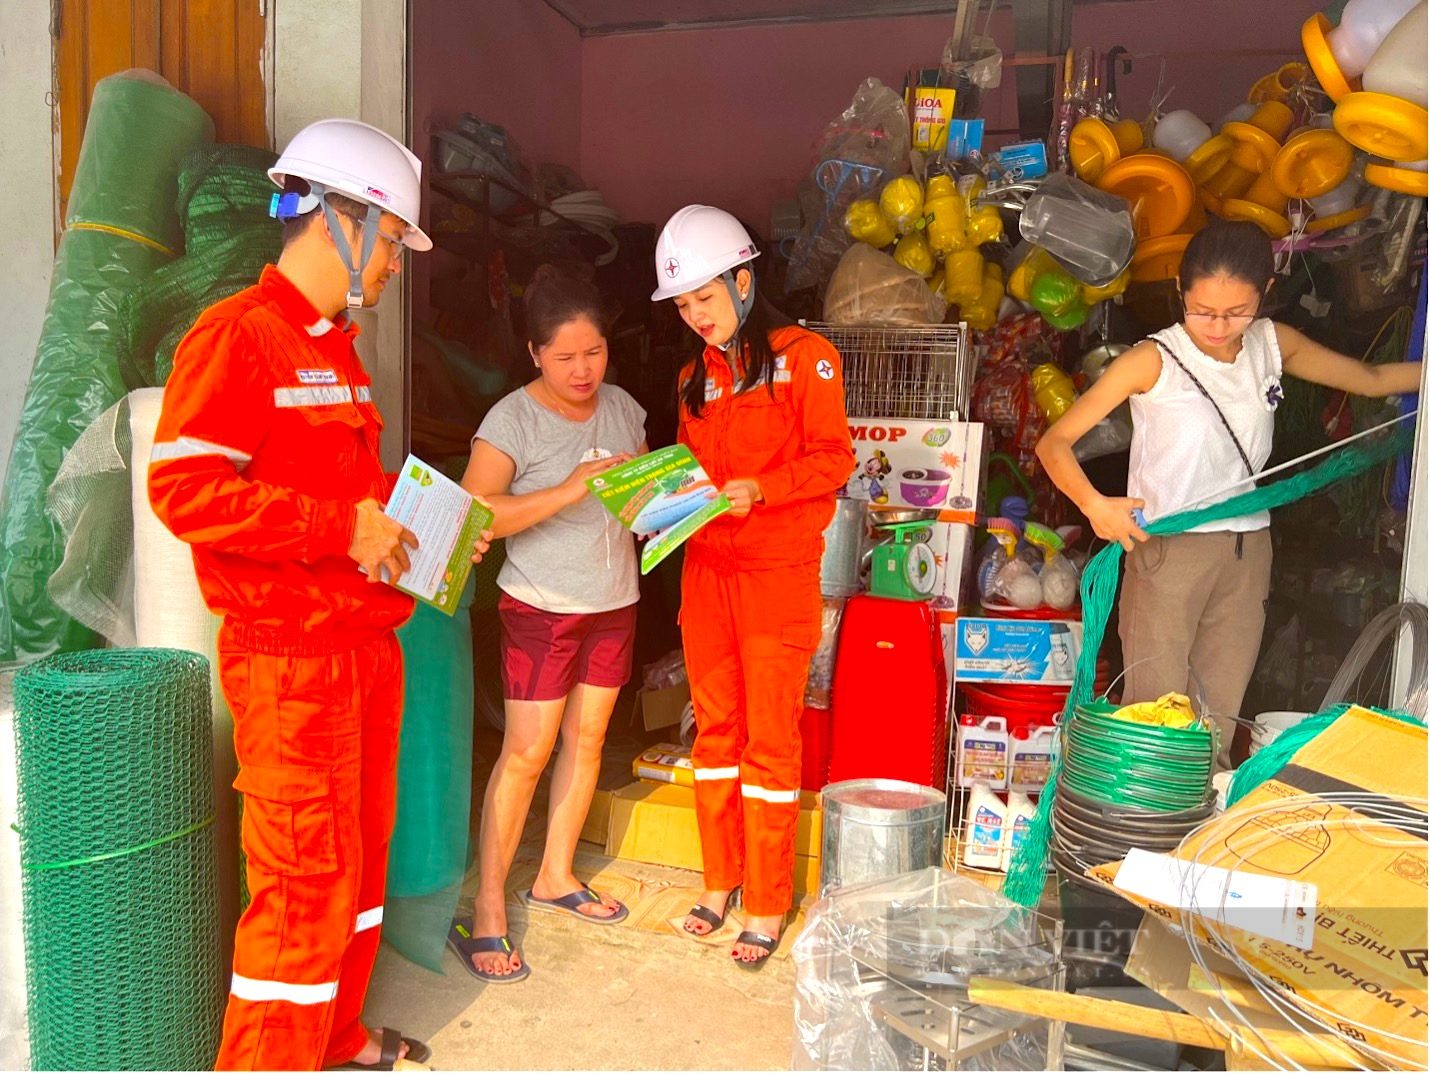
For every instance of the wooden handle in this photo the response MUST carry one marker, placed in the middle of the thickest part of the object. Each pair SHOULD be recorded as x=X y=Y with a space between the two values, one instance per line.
x=1322 y=1051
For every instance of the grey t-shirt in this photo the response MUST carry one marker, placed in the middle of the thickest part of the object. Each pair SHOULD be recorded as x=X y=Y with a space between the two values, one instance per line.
x=581 y=559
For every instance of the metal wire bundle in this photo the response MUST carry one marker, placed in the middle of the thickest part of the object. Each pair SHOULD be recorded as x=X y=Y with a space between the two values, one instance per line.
x=903 y=371
x=118 y=862
x=1387 y=822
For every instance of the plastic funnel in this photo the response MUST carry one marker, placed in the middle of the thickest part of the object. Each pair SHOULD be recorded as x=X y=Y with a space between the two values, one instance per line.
x=1159 y=258
x=1311 y=164
x=1403 y=180
x=1092 y=147
x=1159 y=190
x=1383 y=126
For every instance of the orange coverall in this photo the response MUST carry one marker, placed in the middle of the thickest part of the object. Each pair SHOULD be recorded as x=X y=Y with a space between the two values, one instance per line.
x=267 y=439
x=751 y=609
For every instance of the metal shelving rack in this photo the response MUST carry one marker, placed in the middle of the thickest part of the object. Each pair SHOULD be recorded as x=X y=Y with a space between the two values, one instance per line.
x=904 y=371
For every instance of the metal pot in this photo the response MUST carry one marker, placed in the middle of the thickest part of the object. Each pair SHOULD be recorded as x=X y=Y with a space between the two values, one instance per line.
x=845 y=540
x=1096 y=361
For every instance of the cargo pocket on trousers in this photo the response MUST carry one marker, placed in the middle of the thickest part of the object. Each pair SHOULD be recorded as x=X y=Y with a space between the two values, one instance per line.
x=289 y=819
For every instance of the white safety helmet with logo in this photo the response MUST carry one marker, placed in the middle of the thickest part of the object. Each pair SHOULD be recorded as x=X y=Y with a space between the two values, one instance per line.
x=358 y=161
x=698 y=244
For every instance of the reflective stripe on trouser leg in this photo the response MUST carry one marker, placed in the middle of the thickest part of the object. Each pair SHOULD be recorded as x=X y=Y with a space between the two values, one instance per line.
x=779 y=616
x=378 y=674
x=712 y=664
x=299 y=773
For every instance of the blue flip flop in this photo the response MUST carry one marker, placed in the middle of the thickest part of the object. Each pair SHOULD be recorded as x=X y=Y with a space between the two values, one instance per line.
x=572 y=902
x=461 y=941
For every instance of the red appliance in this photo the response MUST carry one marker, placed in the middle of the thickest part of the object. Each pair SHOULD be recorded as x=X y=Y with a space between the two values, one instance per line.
x=815 y=727
x=890 y=694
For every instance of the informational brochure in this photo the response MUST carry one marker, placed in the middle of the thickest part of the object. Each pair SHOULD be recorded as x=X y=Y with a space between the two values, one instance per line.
x=665 y=496
x=447 y=521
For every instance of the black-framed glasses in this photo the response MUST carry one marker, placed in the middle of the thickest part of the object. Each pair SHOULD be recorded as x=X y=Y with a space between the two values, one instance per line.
x=1233 y=321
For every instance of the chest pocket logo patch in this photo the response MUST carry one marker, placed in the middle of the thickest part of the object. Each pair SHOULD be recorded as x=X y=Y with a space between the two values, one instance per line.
x=825 y=369
x=317 y=377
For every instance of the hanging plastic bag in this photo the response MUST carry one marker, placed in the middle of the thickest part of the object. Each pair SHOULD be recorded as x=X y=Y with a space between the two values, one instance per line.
x=1088 y=231
x=870 y=287
x=1060 y=582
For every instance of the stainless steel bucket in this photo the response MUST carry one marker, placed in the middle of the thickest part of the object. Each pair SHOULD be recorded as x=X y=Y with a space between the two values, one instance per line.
x=876 y=829
x=844 y=543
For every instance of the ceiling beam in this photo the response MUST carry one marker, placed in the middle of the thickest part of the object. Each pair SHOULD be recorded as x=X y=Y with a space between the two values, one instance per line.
x=875 y=10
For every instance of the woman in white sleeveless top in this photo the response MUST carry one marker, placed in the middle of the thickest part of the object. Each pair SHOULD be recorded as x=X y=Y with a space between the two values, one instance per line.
x=1203 y=396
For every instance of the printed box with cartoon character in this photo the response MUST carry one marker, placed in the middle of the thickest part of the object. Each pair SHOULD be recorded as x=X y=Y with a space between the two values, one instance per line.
x=913 y=463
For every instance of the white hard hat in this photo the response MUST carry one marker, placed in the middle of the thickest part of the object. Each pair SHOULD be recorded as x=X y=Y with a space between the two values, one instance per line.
x=360 y=162
x=696 y=245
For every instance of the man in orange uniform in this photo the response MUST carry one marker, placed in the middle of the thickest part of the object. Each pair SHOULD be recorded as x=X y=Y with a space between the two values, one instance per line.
x=762 y=409
x=266 y=461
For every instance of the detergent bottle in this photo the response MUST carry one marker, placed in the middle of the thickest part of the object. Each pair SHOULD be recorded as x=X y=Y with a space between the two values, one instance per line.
x=985 y=822
x=982 y=755
x=1032 y=752
x=1016 y=823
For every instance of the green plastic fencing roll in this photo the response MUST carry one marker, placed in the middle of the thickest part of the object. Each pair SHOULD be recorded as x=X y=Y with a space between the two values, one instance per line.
x=427 y=859
x=120 y=226
x=118 y=865
x=224 y=195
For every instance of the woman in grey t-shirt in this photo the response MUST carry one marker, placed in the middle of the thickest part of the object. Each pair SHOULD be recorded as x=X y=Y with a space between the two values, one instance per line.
x=568 y=606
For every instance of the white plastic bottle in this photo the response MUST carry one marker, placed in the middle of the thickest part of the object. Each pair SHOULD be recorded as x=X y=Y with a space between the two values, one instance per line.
x=983 y=752
x=984 y=824
x=1031 y=758
x=1016 y=824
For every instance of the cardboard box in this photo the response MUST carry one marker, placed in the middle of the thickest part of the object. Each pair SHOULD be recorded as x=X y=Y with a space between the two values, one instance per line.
x=1367 y=960
x=806 y=875
x=1016 y=651
x=911 y=463
x=665 y=763
x=660 y=709
x=615 y=774
x=655 y=823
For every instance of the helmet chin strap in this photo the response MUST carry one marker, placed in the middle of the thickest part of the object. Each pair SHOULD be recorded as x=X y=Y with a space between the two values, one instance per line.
x=340 y=240
x=289 y=206
x=743 y=306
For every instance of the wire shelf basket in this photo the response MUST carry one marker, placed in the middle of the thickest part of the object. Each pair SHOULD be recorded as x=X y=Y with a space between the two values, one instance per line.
x=903 y=371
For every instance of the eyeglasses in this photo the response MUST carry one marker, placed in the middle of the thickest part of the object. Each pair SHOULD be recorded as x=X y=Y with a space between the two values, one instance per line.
x=396 y=246
x=1233 y=321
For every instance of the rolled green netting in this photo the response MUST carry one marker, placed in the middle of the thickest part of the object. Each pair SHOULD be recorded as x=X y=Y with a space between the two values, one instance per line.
x=1028 y=873
x=224 y=195
x=117 y=859
x=427 y=859
x=120 y=226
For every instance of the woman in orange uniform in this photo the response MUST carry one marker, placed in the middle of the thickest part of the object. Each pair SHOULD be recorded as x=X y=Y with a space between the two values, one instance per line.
x=762 y=409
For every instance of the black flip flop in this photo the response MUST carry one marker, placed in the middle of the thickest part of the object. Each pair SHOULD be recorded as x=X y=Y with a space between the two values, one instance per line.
x=392 y=1043
x=757 y=940
x=572 y=902
x=709 y=917
x=461 y=941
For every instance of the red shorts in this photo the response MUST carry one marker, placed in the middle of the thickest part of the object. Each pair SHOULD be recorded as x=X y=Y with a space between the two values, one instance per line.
x=545 y=654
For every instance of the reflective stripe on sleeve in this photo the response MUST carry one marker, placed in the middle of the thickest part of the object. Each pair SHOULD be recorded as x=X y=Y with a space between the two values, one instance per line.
x=193 y=447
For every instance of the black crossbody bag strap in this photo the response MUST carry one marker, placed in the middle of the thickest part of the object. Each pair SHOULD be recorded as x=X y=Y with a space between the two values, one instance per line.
x=1246 y=461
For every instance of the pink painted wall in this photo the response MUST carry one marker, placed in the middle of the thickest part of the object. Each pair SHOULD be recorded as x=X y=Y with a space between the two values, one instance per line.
x=729 y=116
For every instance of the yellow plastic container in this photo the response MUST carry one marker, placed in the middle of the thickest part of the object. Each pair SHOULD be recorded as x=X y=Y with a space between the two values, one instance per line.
x=1264 y=205
x=1158 y=188
x=866 y=223
x=1093 y=147
x=1093 y=295
x=982 y=313
x=1159 y=259
x=1254 y=152
x=914 y=253
x=1401 y=180
x=1020 y=281
x=902 y=200
x=1130 y=138
x=1383 y=126
x=1273 y=117
x=947 y=216
x=1312 y=163
x=985 y=225
x=963 y=277
x=1314 y=34
x=1209 y=158
x=1278 y=85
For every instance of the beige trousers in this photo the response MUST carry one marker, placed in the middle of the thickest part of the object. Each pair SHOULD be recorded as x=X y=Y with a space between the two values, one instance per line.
x=1196 y=602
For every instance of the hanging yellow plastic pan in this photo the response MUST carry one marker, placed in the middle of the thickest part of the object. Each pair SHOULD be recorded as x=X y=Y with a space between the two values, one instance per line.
x=1383 y=126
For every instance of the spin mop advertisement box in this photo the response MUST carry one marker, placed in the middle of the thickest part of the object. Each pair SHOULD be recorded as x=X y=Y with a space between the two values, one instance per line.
x=912 y=463
x=1016 y=651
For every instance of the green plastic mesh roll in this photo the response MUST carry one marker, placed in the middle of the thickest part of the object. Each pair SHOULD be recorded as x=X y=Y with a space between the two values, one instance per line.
x=1028 y=873
x=119 y=875
x=120 y=227
x=224 y=195
x=427 y=859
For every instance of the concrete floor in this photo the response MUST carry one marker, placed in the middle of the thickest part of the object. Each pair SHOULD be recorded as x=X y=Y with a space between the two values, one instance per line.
x=638 y=996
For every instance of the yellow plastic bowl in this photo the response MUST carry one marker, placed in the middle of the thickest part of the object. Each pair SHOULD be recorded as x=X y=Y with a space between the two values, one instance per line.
x=1159 y=189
